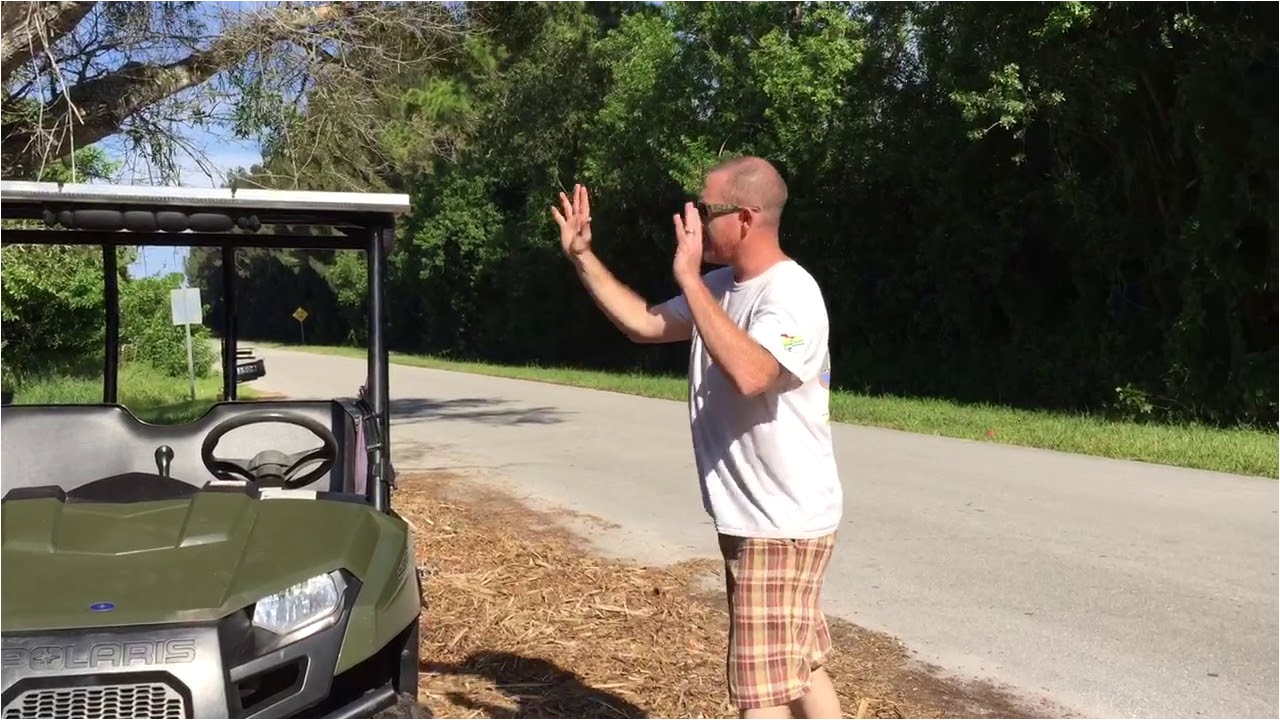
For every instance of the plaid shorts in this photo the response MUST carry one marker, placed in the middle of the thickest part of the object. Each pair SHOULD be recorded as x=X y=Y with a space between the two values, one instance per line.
x=777 y=631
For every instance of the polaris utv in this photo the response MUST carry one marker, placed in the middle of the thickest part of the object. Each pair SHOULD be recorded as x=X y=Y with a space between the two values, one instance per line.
x=147 y=573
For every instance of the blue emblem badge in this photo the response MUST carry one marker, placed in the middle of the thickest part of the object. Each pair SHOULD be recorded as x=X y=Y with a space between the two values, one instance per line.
x=102 y=606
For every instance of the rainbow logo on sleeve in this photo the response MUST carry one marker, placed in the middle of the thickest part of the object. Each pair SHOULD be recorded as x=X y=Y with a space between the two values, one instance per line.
x=791 y=342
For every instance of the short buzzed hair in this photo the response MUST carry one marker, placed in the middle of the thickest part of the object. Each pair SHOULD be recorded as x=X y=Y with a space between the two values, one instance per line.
x=754 y=181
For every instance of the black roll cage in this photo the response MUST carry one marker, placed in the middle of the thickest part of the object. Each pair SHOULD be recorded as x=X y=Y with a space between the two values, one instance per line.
x=113 y=216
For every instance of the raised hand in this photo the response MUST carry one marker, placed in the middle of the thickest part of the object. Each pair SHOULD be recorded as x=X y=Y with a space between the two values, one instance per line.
x=574 y=219
x=687 y=263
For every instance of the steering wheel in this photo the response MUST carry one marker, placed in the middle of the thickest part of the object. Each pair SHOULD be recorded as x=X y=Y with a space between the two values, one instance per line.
x=282 y=465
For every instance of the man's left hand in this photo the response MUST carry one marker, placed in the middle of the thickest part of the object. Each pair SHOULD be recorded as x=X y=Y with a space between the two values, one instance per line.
x=687 y=264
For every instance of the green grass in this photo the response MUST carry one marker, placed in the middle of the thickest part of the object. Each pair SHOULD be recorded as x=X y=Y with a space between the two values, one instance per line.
x=150 y=395
x=1250 y=452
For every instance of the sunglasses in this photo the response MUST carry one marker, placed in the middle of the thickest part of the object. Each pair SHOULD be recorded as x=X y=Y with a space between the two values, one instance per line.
x=707 y=210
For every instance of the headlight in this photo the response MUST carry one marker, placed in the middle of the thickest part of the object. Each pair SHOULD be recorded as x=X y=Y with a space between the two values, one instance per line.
x=308 y=604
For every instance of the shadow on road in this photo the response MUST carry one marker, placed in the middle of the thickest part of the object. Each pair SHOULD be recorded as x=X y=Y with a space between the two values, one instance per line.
x=484 y=410
x=539 y=687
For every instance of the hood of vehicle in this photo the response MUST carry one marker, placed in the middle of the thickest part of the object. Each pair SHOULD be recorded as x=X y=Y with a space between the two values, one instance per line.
x=76 y=565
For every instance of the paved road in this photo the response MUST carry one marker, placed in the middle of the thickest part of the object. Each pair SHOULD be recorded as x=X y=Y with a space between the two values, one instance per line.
x=1115 y=589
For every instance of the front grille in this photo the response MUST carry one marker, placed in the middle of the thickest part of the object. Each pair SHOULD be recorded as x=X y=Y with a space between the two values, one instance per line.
x=135 y=700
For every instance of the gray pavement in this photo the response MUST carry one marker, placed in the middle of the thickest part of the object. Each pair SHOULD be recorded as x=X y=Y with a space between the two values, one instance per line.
x=1114 y=589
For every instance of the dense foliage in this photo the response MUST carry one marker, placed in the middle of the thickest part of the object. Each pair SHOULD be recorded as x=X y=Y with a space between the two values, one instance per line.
x=148 y=335
x=53 y=314
x=52 y=306
x=1061 y=205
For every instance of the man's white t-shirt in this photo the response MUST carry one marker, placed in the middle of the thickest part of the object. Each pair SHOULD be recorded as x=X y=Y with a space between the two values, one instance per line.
x=766 y=463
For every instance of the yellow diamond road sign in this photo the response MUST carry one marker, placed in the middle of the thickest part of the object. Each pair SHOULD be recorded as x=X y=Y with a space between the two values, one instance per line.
x=300 y=314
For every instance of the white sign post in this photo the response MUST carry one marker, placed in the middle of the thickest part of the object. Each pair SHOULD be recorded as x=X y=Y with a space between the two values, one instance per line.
x=184 y=303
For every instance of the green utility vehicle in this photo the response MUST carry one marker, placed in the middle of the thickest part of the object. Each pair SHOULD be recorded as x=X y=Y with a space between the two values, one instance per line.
x=147 y=573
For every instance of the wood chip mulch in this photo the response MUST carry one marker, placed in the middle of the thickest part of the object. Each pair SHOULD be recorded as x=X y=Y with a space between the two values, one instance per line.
x=523 y=620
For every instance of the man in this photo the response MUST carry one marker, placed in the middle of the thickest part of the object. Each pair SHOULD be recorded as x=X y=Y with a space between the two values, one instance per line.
x=758 y=409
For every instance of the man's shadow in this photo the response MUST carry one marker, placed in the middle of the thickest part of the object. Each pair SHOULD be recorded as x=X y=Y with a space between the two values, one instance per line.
x=540 y=688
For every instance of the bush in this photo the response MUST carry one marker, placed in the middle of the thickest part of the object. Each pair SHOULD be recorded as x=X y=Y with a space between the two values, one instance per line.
x=51 y=309
x=148 y=335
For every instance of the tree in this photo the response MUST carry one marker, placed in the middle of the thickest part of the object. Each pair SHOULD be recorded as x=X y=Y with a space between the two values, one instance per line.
x=1067 y=205
x=77 y=73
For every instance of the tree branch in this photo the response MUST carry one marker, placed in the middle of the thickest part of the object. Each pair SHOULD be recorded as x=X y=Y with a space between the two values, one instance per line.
x=28 y=26
x=348 y=48
x=107 y=101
